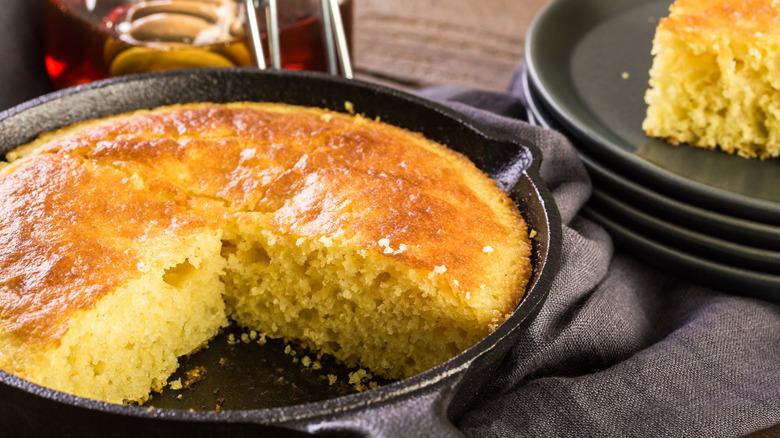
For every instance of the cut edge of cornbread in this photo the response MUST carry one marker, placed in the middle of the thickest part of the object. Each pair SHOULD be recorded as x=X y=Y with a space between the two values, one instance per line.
x=131 y=340
x=359 y=306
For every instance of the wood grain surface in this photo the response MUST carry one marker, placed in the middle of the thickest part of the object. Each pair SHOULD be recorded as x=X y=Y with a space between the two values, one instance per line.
x=417 y=43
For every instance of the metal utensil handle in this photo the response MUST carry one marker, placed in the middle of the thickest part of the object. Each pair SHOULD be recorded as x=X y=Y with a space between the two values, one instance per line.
x=334 y=17
x=330 y=41
x=254 y=33
x=272 y=20
x=336 y=46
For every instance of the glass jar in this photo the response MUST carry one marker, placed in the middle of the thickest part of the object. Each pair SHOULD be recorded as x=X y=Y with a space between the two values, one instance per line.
x=88 y=40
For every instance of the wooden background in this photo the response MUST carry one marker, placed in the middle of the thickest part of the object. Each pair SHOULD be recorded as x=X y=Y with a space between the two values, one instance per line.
x=417 y=43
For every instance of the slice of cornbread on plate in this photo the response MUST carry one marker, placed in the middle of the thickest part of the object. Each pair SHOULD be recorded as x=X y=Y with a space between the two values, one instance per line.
x=133 y=239
x=715 y=77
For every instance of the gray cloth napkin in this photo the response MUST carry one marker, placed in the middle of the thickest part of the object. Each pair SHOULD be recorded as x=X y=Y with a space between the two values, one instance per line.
x=620 y=349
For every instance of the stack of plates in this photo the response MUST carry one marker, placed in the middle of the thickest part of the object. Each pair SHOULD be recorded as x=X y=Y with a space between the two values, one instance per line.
x=705 y=215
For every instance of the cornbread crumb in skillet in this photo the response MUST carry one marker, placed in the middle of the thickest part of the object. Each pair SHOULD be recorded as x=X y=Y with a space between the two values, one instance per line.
x=715 y=79
x=132 y=240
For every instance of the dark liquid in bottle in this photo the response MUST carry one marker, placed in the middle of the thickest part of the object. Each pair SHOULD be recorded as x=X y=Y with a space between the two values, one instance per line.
x=83 y=46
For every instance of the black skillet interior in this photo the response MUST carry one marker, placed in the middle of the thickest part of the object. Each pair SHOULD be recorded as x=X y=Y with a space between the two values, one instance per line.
x=266 y=385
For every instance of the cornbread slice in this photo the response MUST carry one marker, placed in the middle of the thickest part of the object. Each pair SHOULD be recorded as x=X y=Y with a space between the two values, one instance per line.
x=715 y=78
x=132 y=240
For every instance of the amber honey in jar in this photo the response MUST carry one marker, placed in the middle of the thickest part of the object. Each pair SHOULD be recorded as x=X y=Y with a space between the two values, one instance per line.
x=87 y=40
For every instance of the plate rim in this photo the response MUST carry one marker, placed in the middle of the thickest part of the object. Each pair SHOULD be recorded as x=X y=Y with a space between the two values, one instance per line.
x=738 y=281
x=686 y=239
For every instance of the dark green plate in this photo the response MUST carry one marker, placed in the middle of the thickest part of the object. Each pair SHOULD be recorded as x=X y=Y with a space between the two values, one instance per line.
x=590 y=60
x=729 y=228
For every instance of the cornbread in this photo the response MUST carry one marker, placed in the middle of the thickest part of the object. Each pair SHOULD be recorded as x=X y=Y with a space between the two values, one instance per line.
x=132 y=240
x=715 y=78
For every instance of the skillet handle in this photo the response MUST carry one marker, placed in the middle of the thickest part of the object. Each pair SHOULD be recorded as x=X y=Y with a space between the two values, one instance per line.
x=418 y=414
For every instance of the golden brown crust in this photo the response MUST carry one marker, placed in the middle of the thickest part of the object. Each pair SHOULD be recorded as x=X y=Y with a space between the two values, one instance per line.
x=313 y=173
x=736 y=18
x=68 y=231
x=408 y=196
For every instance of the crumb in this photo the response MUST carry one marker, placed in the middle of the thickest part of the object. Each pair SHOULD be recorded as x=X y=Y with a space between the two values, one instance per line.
x=401 y=248
x=194 y=376
x=385 y=243
x=179 y=397
x=306 y=361
x=316 y=365
x=332 y=379
x=215 y=391
x=232 y=339
x=487 y=249
x=373 y=385
x=261 y=340
x=175 y=385
x=223 y=361
x=624 y=75
x=245 y=338
x=357 y=376
x=349 y=107
x=532 y=234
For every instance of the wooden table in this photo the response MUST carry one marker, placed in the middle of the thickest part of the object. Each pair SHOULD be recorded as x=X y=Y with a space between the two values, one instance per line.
x=416 y=43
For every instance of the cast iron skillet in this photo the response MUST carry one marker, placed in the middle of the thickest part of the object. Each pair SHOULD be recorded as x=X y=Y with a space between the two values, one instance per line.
x=418 y=406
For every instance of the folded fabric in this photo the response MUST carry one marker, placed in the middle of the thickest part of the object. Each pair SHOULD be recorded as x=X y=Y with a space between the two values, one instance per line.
x=620 y=349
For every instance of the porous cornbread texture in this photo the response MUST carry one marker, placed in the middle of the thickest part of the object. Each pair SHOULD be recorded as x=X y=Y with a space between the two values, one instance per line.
x=132 y=240
x=715 y=78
